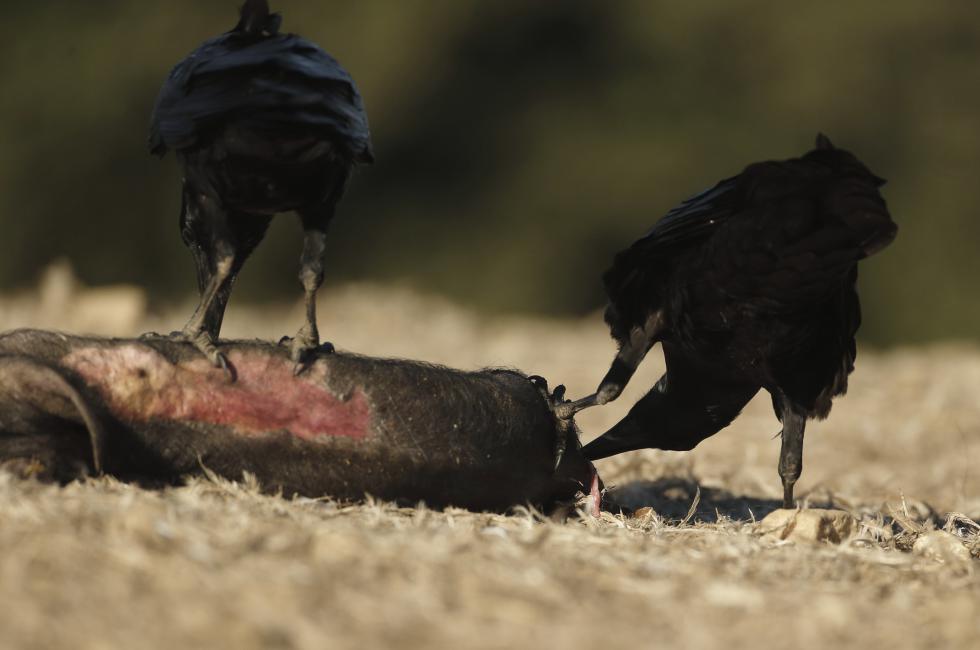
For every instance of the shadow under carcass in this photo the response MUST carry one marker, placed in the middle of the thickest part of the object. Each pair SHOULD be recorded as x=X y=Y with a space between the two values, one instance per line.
x=673 y=497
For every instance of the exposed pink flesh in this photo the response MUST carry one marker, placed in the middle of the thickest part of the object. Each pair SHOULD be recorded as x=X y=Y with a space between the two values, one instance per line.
x=595 y=496
x=138 y=383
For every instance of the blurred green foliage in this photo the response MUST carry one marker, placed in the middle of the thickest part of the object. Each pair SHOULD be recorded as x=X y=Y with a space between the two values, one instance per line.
x=519 y=144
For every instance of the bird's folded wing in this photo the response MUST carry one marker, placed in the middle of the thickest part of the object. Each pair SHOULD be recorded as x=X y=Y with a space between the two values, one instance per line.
x=278 y=81
x=692 y=220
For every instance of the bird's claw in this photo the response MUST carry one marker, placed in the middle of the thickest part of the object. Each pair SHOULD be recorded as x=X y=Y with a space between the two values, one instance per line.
x=555 y=400
x=219 y=360
x=564 y=411
x=303 y=350
x=206 y=346
x=558 y=395
x=560 y=444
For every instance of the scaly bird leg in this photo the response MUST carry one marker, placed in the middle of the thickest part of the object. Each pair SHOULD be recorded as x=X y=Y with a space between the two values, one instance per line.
x=631 y=354
x=220 y=243
x=195 y=331
x=791 y=453
x=307 y=339
x=567 y=410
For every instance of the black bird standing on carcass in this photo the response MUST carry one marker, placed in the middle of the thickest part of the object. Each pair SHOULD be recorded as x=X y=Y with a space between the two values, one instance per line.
x=748 y=285
x=262 y=123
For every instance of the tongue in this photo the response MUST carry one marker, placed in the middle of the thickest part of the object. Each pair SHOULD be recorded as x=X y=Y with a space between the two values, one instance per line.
x=595 y=496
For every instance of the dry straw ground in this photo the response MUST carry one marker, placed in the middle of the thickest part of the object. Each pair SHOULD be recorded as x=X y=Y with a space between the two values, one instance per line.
x=217 y=564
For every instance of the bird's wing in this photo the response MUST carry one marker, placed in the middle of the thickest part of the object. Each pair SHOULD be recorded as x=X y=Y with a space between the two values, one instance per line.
x=692 y=220
x=823 y=344
x=275 y=81
x=632 y=281
x=789 y=252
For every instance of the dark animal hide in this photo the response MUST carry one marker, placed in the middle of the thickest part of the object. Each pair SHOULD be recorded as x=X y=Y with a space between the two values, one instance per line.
x=153 y=411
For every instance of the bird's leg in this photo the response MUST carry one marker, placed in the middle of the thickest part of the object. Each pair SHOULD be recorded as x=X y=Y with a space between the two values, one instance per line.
x=205 y=229
x=791 y=452
x=246 y=231
x=307 y=339
x=220 y=242
x=682 y=409
x=196 y=331
x=567 y=410
x=630 y=354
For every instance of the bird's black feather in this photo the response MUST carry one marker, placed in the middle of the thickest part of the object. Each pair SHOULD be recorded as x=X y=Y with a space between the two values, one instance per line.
x=635 y=271
x=264 y=84
x=749 y=285
x=770 y=240
x=261 y=123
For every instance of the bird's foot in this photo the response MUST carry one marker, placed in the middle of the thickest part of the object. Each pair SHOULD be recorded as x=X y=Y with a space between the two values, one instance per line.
x=558 y=397
x=304 y=349
x=206 y=346
x=556 y=401
x=567 y=409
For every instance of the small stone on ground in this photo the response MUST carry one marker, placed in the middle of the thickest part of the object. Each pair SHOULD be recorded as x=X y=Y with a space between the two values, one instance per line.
x=812 y=525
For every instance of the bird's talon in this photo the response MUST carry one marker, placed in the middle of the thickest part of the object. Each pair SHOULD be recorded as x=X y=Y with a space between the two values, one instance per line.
x=206 y=346
x=558 y=395
x=559 y=452
x=221 y=361
x=304 y=351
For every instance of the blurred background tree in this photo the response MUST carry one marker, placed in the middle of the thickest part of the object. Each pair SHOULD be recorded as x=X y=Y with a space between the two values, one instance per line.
x=519 y=144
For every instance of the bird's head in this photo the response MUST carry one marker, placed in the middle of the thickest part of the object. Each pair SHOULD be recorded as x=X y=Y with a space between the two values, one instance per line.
x=256 y=20
x=855 y=198
x=842 y=160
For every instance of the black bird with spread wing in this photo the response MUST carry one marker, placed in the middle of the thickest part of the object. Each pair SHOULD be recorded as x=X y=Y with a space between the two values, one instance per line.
x=748 y=285
x=262 y=123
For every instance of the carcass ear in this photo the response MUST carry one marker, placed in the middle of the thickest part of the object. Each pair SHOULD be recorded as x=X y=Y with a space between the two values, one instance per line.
x=823 y=142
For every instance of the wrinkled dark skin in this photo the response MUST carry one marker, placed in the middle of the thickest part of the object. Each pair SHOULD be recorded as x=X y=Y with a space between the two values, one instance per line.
x=154 y=411
x=748 y=285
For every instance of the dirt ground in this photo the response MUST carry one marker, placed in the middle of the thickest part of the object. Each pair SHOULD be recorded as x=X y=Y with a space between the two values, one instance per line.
x=217 y=564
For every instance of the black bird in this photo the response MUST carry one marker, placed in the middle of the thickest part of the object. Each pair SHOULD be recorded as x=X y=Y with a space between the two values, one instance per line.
x=262 y=123
x=748 y=285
